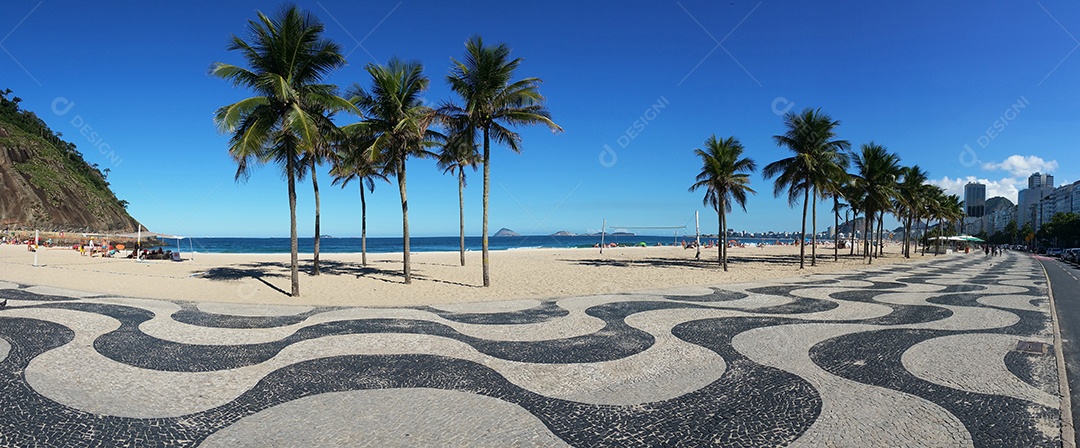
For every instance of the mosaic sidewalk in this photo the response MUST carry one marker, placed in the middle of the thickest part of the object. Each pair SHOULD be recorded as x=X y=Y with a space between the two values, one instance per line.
x=921 y=354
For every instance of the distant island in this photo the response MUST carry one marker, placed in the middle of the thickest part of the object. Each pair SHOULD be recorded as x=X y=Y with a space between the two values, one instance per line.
x=563 y=233
x=506 y=232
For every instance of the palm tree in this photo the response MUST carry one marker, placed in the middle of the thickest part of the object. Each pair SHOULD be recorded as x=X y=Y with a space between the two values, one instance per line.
x=288 y=57
x=937 y=209
x=458 y=153
x=928 y=199
x=855 y=196
x=725 y=178
x=878 y=171
x=909 y=200
x=397 y=125
x=811 y=137
x=954 y=210
x=491 y=102
x=311 y=160
x=837 y=207
x=833 y=187
x=351 y=162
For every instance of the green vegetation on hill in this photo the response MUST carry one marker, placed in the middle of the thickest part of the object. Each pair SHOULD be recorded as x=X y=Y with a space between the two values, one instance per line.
x=46 y=180
x=89 y=176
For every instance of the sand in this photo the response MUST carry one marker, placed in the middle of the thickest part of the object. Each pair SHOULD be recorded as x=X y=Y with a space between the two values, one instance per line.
x=438 y=277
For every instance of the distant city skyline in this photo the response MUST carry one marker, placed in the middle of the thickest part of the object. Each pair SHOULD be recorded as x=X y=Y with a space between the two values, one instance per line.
x=967 y=90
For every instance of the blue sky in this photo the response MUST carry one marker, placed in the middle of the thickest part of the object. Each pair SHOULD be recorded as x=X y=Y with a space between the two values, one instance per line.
x=965 y=89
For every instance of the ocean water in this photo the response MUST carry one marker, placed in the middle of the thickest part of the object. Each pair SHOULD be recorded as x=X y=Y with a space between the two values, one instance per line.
x=423 y=244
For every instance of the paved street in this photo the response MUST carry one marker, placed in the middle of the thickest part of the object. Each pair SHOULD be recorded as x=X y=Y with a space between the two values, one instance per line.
x=1065 y=280
x=921 y=354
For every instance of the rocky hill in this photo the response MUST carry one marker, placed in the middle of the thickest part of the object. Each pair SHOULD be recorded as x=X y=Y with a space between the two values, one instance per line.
x=44 y=182
x=505 y=232
x=997 y=203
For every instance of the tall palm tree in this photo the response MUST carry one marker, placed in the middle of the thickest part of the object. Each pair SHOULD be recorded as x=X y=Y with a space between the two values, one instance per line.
x=937 y=209
x=351 y=162
x=287 y=58
x=832 y=187
x=726 y=179
x=459 y=152
x=398 y=126
x=811 y=136
x=928 y=199
x=492 y=101
x=831 y=173
x=878 y=171
x=909 y=200
x=310 y=160
x=954 y=211
x=855 y=196
x=837 y=207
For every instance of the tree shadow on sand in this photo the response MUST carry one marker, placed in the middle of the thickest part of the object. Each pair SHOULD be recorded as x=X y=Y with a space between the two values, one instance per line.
x=262 y=270
x=706 y=263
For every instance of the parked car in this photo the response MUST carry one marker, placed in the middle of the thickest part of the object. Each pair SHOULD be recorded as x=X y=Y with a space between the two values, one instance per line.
x=1053 y=252
x=1071 y=255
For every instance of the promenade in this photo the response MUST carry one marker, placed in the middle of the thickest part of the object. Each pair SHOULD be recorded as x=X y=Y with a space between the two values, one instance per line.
x=954 y=351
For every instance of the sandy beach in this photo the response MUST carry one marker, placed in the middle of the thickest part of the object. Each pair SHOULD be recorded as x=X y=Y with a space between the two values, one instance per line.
x=438 y=277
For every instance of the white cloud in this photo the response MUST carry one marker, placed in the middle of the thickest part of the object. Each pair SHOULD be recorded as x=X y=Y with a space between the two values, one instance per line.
x=1022 y=166
x=1006 y=186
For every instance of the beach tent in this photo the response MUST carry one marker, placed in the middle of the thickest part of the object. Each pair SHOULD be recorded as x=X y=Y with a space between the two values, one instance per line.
x=140 y=234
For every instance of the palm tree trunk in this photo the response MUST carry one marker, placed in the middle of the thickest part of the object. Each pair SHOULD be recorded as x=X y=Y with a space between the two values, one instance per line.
x=484 y=228
x=315 y=186
x=813 y=227
x=917 y=222
x=836 y=229
x=867 y=232
x=881 y=234
x=873 y=235
x=723 y=225
x=363 y=225
x=461 y=210
x=870 y=218
x=720 y=248
x=852 y=230
x=907 y=236
x=802 y=236
x=290 y=172
x=404 y=221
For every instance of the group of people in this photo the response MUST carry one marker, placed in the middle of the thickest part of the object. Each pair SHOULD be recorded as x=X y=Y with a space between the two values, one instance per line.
x=105 y=249
x=157 y=254
x=993 y=250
